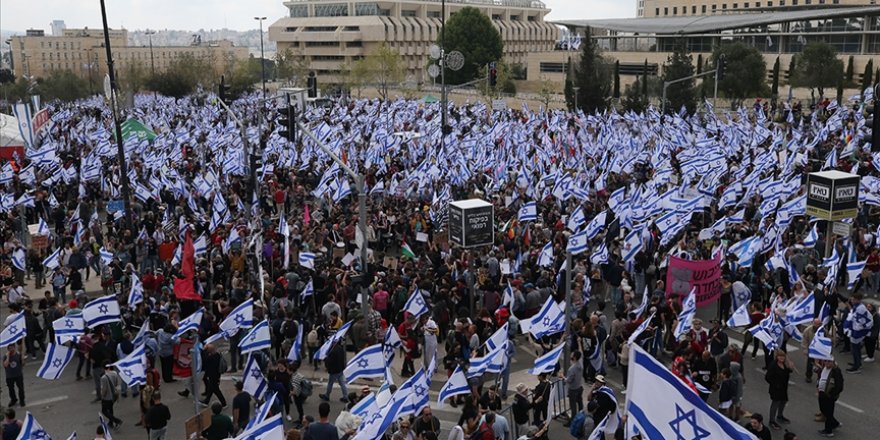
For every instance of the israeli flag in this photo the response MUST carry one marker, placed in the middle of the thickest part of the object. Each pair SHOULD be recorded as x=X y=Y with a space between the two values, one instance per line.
x=262 y=411
x=546 y=257
x=455 y=386
x=596 y=224
x=43 y=228
x=480 y=365
x=686 y=317
x=600 y=255
x=258 y=338
x=500 y=337
x=508 y=297
x=132 y=368
x=578 y=243
x=141 y=335
x=253 y=380
x=417 y=387
x=365 y=407
x=240 y=317
x=307 y=291
x=57 y=358
x=415 y=305
x=769 y=331
x=68 y=328
x=269 y=429
x=665 y=407
x=103 y=423
x=740 y=317
x=136 y=295
x=338 y=336
x=644 y=305
x=19 y=259
x=103 y=310
x=644 y=325
x=379 y=422
x=547 y=363
x=233 y=238
x=390 y=343
x=307 y=260
x=549 y=320
x=528 y=212
x=812 y=238
x=820 y=346
x=295 y=353
x=599 y=431
x=368 y=363
x=577 y=219
x=632 y=245
x=824 y=313
x=31 y=429
x=802 y=312
x=342 y=191
x=192 y=322
x=832 y=261
x=854 y=272
x=53 y=260
x=106 y=256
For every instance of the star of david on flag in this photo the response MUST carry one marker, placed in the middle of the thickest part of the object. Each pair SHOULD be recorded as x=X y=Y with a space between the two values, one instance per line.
x=258 y=338
x=57 y=358
x=103 y=310
x=415 y=305
x=31 y=429
x=14 y=332
x=369 y=362
x=253 y=381
x=240 y=317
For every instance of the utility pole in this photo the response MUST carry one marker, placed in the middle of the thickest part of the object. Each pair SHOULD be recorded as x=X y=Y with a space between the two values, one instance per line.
x=262 y=56
x=567 y=355
x=443 y=96
x=152 y=63
x=120 y=149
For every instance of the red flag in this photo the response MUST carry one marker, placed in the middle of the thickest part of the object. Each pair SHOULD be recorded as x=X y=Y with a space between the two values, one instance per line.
x=307 y=217
x=183 y=287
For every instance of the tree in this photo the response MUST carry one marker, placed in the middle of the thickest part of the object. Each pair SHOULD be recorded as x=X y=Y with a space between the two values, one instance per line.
x=645 y=80
x=593 y=77
x=699 y=64
x=849 y=70
x=6 y=76
x=353 y=76
x=867 y=77
x=634 y=100
x=774 y=88
x=472 y=33
x=62 y=85
x=680 y=64
x=792 y=63
x=818 y=68
x=384 y=68
x=504 y=81
x=547 y=91
x=568 y=88
x=182 y=76
x=746 y=72
x=244 y=76
x=292 y=68
x=134 y=77
x=616 y=79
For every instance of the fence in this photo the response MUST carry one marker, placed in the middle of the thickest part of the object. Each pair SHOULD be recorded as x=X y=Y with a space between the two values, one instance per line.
x=557 y=407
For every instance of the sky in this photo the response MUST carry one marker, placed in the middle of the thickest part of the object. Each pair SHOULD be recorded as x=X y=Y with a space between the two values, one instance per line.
x=18 y=15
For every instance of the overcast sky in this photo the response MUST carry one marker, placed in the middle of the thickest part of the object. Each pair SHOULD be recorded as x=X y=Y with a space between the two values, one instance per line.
x=18 y=15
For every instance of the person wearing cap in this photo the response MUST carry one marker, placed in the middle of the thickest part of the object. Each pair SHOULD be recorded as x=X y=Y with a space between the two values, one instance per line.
x=756 y=427
x=603 y=403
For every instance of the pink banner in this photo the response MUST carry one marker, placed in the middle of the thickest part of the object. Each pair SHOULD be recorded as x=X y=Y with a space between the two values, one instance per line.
x=683 y=275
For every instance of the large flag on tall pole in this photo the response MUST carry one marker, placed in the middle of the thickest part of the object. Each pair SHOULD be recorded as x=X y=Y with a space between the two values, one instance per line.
x=184 y=289
x=663 y=406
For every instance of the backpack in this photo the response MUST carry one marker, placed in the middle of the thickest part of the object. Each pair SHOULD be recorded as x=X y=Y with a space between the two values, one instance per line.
x=577 y=425
x=305 y=388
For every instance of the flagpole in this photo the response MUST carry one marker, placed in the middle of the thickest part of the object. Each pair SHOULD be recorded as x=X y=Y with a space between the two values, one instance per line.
x=567 y=354
x=195 y=380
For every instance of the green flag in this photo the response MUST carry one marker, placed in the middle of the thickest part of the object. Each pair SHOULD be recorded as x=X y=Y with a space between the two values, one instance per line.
x=133 y=127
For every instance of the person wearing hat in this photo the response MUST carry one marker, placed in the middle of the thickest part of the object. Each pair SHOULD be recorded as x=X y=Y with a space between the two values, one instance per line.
x=521 y=407
x=756 y=427
x=603 y=402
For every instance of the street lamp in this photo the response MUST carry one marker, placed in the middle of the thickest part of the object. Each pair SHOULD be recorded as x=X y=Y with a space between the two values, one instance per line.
x=262 y=56
x=150 y=34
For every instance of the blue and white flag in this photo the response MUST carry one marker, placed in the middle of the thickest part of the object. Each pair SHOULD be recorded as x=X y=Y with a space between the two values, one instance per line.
x=812 y=238
x=31 y=429
x=632 y=245
x=802 y=312
x=578 y=243
x=577 y=219
x=133 y=368
x=57 y=357
x=641 y=328
x=258 y=338
x=253 y=380
x=480 y=364
x=820 y=346
x=740 y=317
x=365 y=407
x=103 y=310
x=106 y=256
x=307 y=260
x=507 y=298
x=599 y=431
x=192 y=322
x=307 y=291
x=854 y=272
x=239 y=318
x=417 y=387
x=328 y=344
x=43 y=228
x=769 y=331
x=415 y=305
x=68 y=328
x=455 y=386
x=596 y=224
x=686 y=317
x=644 y=305
x=269 y=429
x=376 y=425
x=548 y=321
x=545 y=259
x=600 y=255
x=390 y=343
x=664 y=407
x=19 y=259
x=548 y=362
x=136 y=294
x=14 y=332
x=262 y=412
x=295 y=353
x=104 y=425
x=369 y=362
x=53 y=260
x=141 y=335
x=528 y=212
x=824 y=313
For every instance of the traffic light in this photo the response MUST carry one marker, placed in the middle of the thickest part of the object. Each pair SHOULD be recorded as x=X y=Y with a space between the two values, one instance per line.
x=223 y=91
x=312 y=85
x=493 y=75
x=287 y=121
x=722 y=68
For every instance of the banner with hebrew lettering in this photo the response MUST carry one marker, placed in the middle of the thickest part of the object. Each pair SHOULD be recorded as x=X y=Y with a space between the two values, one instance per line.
x=683 y=275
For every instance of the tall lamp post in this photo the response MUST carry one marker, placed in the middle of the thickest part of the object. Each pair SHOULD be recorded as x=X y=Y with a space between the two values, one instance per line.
x=150 y=34
x=262 y=56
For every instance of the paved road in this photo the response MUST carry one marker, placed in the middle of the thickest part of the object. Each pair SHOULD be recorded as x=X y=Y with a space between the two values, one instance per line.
x=65 y=405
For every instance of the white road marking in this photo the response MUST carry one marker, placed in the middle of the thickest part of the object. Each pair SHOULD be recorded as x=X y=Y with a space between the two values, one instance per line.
x=47 y=401
x=850 y=407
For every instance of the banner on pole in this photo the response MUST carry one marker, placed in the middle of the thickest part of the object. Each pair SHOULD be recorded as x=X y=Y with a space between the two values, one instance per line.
x=684 y=275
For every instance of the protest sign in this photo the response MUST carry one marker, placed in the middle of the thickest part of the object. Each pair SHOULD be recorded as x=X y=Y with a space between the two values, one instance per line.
x=683 y=275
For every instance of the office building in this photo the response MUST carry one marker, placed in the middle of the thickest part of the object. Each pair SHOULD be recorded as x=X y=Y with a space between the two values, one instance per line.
x=676 y=8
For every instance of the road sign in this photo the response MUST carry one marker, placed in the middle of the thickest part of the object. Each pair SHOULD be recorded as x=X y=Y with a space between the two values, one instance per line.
x=840 y=228
x=471 y=223
x=832 y=195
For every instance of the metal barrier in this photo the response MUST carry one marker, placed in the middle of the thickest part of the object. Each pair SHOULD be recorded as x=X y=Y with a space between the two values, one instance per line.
x=557 y=407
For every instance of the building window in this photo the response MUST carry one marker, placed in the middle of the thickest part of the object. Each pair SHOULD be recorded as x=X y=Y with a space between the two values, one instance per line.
x=433 y=14
x=704 y=9
x=331 y=10
x=531 y=18
x=299 y=11
x=657 y=11
x=366 y=9
x=322 y=44
x=735 y=5
x=354 y=44
x=514 y=18
x=714 y=8
x=319 y=29
x=552 y=67
x=496 y=16
x=770 y=4
x=290 y=29
x=665 y=11
x=351 y=29
x=694 y=10
x=675 y=10
x=407 y=13
x=746 y=5
x=328 y=58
